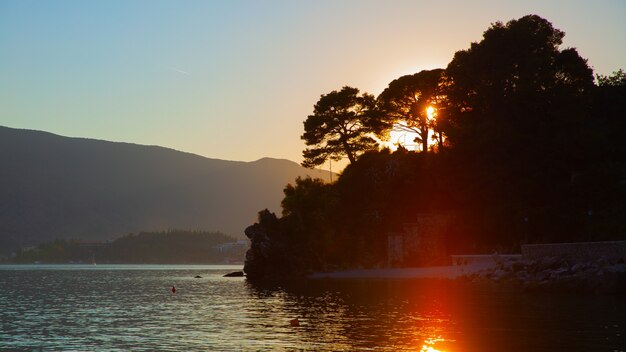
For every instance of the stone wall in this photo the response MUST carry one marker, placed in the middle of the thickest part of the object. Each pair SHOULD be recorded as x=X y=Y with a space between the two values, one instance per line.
x=420 y=243
x=487 y=259
x=577 y=252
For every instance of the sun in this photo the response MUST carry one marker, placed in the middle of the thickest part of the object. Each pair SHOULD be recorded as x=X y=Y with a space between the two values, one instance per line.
x=405 y=137
x=431 y=112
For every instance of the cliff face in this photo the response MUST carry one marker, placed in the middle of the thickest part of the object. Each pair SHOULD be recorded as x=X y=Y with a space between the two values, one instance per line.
x=272 y=253
x=58 y=187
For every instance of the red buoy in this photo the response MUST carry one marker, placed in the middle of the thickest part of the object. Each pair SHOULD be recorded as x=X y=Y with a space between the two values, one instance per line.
x=173 y=289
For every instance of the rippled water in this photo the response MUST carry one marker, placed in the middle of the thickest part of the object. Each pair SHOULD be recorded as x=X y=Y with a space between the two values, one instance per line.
x=124 y=307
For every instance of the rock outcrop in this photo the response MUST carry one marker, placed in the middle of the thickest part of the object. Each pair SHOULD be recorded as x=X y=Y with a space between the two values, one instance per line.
x=272 y=254
x=554 y=274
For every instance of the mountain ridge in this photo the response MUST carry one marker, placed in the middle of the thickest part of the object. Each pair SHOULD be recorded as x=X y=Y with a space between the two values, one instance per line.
x=53 y=186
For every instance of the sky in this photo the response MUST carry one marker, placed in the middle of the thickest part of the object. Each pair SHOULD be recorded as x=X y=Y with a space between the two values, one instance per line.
x=236 y=79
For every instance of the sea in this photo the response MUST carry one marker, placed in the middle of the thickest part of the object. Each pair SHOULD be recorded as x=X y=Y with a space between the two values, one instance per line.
x=132 y=308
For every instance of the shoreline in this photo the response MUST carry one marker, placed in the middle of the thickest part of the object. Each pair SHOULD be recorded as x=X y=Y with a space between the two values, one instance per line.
x=435 y=272
x=548 y=274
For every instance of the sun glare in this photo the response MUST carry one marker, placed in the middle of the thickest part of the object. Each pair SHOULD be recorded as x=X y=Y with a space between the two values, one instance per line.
x=430 y=345
x=403 y=138
x=400 y=136
x=431 y=113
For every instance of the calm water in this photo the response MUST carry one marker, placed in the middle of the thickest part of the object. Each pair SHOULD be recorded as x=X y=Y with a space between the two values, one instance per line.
x=125 y=307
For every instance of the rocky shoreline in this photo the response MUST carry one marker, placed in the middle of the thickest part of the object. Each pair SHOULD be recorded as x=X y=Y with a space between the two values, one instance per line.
x=568 y=268
x=554 y=274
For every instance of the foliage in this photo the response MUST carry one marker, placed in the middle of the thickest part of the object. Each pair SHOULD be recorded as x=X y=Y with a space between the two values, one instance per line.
x=617 y=79
x=405 y=100
x=519 y=117
x=515 y=82
x=537 y=154
x=343 y=124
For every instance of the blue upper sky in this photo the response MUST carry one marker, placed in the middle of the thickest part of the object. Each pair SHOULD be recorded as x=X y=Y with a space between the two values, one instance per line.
x=236 y=79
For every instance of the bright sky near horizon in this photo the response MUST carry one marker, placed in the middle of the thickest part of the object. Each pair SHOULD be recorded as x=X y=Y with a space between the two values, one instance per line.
x=235 y=79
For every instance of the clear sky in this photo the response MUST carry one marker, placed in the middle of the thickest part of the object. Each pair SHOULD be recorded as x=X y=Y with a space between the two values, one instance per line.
x=235 y=79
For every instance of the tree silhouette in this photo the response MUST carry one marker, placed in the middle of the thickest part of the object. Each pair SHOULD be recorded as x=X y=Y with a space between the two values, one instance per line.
x=537 y=153
x=617 y=79
x=343 y=124
x=518 y=106
x=405 y=102
x=610 y=113
x=515 y=81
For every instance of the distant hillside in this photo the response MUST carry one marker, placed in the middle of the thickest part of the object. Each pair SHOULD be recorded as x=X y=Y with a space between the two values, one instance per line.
x=59 y=187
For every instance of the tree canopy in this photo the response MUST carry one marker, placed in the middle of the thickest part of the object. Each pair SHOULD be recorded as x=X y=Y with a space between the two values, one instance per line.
x=535 y=153
x=405 y=101
x=617 y=79
x=518 y=106
x=515 y=80
x=343 y=123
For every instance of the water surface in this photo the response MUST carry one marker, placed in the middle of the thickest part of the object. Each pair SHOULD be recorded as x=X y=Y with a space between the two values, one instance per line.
x=130 y=307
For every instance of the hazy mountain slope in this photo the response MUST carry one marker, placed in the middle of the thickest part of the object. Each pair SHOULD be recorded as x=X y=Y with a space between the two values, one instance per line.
x=53 y=186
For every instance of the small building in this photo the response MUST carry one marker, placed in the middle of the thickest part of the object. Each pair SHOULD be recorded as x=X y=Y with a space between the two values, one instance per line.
x=420 y=243
x=28 y=248
x=231 y=246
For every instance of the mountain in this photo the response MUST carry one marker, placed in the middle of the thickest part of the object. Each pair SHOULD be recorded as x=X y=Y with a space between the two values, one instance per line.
x=59 y=187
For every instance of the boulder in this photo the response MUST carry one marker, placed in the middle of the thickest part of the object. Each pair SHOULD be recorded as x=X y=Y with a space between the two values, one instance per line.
x=499 y=275
x=548 y=263
x=518 y=266
x=580 y=267
x=555 y=274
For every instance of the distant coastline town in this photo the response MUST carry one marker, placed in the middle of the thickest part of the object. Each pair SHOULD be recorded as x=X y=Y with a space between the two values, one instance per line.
x=169 y=247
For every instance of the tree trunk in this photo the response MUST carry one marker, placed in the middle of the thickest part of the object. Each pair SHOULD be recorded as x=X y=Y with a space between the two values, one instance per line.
x=349 y=152
x=440 y=141
x=425 y=136
x=350 y=156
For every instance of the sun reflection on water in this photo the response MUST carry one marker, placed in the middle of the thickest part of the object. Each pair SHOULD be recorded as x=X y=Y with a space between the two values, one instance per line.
x=433 y=345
